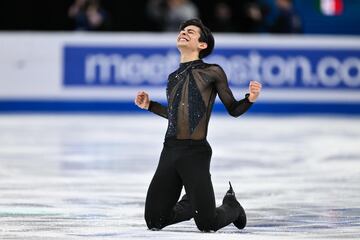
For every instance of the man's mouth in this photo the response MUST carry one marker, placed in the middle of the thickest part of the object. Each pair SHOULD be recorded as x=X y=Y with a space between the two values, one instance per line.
x=183 y=39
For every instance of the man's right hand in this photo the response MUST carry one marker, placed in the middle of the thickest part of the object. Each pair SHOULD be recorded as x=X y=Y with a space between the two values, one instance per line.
x=142 y=100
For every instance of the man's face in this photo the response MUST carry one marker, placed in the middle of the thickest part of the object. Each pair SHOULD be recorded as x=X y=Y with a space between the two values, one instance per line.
x=189 y=38
x=284 y=4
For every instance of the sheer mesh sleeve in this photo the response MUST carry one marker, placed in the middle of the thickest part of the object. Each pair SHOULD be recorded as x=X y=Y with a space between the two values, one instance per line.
x=235 y=108
x=158 y=109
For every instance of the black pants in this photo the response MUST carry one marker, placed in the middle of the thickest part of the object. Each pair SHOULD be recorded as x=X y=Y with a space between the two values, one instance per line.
x=185 y=163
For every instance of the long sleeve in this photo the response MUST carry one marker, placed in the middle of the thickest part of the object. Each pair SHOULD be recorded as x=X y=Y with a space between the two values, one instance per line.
x=158 y=109
x=235 y=108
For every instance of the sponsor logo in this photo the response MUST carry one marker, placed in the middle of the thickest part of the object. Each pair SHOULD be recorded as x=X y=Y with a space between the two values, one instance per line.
x=275 y=68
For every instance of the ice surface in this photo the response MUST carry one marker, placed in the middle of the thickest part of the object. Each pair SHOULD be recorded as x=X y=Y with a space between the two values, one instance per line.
x=86 y=176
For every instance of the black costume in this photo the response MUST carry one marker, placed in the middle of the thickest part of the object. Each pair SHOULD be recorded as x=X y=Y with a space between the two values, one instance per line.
x=185 y=158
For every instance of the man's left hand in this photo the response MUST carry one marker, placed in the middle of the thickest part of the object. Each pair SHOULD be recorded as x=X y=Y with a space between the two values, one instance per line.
x=254 y=89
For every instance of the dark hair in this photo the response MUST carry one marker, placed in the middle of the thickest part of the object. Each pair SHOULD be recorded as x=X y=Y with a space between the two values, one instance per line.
x=205 y=36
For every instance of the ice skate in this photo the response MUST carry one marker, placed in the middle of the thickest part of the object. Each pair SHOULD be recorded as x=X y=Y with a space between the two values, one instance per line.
x=230 y=199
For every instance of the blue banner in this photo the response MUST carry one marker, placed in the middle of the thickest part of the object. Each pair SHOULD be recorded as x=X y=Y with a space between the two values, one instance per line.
x=298 y=68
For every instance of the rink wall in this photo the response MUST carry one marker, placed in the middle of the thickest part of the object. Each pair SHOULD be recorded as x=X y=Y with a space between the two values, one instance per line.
x=74 y=72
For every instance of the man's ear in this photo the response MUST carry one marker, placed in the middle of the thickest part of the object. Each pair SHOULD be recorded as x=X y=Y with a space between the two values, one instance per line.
x=202 y=45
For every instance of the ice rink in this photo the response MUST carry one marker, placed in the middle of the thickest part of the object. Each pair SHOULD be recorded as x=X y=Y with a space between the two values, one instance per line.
x=86 y=176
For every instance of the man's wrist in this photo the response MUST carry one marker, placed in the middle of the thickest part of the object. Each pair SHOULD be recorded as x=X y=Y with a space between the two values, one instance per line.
x=149 y=105
x=251 y=98
x=247 y=95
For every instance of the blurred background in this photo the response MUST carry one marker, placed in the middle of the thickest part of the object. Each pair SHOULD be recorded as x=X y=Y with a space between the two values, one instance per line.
x=246 y=16
x=94 y=55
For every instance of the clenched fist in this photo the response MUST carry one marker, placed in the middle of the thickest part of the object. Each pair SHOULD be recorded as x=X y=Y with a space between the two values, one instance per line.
x=142 y=100
x=254 y=89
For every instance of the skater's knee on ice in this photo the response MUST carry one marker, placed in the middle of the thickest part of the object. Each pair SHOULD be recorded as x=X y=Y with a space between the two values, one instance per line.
x=154 y=224
x=205 y=226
